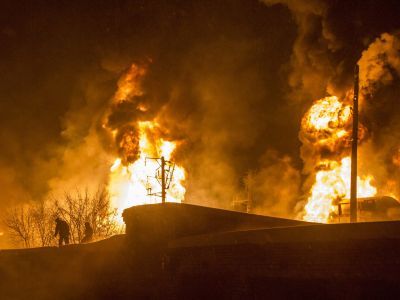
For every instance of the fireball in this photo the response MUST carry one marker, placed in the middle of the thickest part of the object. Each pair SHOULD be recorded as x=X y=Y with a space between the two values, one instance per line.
x=327 y=128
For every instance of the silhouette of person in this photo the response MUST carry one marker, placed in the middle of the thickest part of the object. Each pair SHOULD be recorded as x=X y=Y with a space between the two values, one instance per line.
x=88 y=233
x=62 y=229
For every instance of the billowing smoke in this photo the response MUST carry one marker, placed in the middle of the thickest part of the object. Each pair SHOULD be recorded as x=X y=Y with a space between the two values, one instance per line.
x=275 y=187
x=379 y=78
x=213 y=81
x=330 y=40
x=312 y=62
x=230 y=81
x=380 y=64
x=126 y=109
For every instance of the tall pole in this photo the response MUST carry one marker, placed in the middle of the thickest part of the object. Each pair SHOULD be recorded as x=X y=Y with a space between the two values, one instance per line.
x=249 y=186
x=163 y=192
x=353 y=185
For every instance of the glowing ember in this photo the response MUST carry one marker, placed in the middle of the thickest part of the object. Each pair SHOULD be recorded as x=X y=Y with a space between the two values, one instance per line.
x=327 y=127
x=130 y=185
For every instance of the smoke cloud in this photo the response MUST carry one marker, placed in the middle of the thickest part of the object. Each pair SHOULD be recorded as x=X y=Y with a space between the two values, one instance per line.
x=229 y=80
x=379 y=77
x=213 y=82
x=380 y=63
x=330 y=39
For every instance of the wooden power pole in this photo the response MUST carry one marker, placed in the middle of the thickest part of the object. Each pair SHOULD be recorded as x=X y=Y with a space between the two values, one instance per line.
x=163 y=183
x=164 y=174
x=353 y=185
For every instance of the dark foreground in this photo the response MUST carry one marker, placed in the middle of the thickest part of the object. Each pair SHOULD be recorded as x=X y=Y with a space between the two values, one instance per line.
x=307 y=261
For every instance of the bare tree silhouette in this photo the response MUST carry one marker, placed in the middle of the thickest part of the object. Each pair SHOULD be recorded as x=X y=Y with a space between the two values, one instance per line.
x=33 y=224
x=82 y=207
x=20 y=223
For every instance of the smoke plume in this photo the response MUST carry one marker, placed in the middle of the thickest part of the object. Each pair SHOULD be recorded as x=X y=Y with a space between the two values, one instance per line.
x=331 y=37
x=230 y=81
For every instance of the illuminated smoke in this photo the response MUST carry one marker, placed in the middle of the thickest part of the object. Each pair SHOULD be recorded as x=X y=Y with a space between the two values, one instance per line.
x=322 y=64
x=325 y=134
x=137 y=143
x=379 y=64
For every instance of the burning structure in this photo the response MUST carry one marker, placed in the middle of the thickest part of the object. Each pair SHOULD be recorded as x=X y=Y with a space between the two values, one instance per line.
x=138 y=132
x=208 y=92
x=138 y=140
x=182 y=100
x=328 y=137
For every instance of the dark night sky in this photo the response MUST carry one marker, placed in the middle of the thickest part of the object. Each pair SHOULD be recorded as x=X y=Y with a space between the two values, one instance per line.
x=235 y=65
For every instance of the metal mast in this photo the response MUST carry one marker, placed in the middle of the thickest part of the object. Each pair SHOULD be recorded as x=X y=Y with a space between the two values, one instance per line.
x=353 y=185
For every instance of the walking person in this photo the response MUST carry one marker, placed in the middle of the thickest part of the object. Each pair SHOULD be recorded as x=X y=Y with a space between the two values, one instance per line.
x=62 y=229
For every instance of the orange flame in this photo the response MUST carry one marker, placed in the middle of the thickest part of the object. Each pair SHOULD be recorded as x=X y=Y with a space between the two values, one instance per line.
x=331 y=185
x=130 y=185
x=327 y=125
x=132 y=180
x=129 y=83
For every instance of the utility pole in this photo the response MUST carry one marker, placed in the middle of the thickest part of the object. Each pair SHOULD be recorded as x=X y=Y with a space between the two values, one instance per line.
x=163 y=175
x=353 y=184
x=163 y=183
x=249 y=181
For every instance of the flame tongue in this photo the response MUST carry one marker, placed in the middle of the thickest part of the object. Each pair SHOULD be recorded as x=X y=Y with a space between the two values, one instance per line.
x=326 y=129
x=130 y=184
x=331 y=185
x=131 y=175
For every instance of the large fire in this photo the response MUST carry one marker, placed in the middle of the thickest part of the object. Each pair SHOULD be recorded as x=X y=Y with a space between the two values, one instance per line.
x=325 y=128
x=327 y=125
x=131 y=185
x=332 y=185
x=133 y=179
